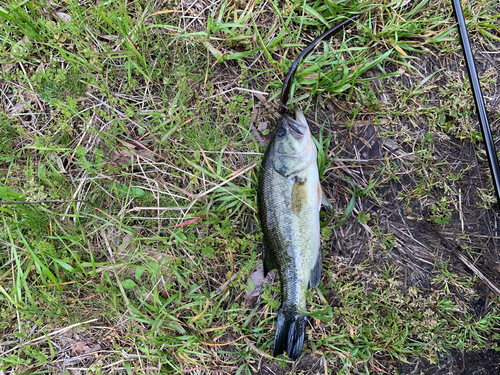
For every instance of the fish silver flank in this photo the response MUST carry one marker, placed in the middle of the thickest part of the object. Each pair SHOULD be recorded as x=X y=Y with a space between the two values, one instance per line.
x=289 y=199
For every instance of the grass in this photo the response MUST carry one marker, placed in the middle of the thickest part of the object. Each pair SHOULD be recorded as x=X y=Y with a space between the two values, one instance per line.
x=128 y=168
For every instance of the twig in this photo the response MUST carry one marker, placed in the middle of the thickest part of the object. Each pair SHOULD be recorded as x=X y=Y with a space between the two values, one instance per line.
x=121 y=114
x=257 y=350
x=455 y=249
x=223 y=286
x=62 y=330
x=239 y=89
x=237 y=174
x=44 y=201
x=478 y=273
x=46 y=337
x=32 y=89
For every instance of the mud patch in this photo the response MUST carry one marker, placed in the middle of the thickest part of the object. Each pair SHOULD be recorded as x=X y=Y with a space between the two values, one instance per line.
x=457 y=363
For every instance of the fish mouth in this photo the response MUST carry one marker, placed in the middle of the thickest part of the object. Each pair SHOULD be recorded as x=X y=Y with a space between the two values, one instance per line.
x=294 y=125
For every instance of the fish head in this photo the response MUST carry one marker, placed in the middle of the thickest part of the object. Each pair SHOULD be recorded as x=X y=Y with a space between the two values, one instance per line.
x=293 y=137
x=293 y=146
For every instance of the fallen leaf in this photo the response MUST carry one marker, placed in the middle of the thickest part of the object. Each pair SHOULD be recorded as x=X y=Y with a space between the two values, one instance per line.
x=20 y=47
x=262 y=126
x=25 y=99
x=256 y=282
x=79 y=349
x=7 y=68
x=63 y=16
x=256 y=135
x=124 y=247
x=401 y=3
x=130 y=151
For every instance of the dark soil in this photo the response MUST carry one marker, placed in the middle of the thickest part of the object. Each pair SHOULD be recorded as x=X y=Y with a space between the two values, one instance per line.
x=457 y=363
x=307 y=365
x=421 y=243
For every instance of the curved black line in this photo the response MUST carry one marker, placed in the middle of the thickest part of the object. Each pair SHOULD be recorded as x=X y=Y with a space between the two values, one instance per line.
x=478 y=97
x=287 y=84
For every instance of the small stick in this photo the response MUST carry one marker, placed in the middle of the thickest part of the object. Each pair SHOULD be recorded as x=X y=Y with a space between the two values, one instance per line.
x=44 y=201
x=257 y=350
x=455 y=249
x=32 y=89
x=59 y=331
x=236 y=174
x=43 y=338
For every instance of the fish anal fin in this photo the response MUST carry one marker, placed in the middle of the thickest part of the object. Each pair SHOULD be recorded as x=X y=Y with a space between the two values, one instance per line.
x=268 y=260
x=316 y=272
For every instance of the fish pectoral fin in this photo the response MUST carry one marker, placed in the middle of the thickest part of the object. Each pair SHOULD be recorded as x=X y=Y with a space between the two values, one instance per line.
x=316 y=272
x=324 y=200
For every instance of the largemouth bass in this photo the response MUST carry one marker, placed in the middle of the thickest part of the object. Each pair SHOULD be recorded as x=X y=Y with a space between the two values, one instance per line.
x=289 y=199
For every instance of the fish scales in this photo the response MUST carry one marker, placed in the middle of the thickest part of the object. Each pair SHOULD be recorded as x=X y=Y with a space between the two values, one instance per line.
x=292 y=226
x=289 y=197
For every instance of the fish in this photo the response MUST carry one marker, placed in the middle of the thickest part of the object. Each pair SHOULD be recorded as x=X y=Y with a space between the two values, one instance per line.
x=289 y=199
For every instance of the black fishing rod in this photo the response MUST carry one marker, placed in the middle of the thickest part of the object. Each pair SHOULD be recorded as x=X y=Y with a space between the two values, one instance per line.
x=287 y=84
x=478 y=97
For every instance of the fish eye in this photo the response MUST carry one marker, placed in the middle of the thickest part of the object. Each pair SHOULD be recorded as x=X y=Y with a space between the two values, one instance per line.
x=281 y=132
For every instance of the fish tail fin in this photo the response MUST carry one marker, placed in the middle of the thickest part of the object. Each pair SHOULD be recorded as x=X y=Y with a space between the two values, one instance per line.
x=290 y=331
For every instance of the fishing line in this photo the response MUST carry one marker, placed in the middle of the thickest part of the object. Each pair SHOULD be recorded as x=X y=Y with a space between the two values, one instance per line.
x=287 y=84
x=471 y=69
x=478 y=97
